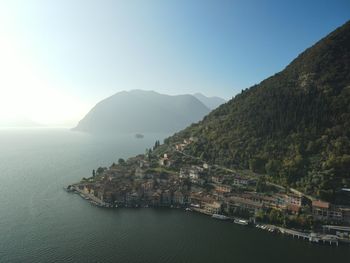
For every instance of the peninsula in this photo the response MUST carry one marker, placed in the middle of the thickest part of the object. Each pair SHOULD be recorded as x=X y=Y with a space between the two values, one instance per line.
x=165 y=176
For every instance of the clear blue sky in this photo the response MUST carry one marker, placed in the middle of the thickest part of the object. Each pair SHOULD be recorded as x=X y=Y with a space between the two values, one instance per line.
x=86 y=50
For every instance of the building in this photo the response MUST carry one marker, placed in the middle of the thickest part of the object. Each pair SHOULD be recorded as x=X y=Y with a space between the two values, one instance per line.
x=326 y=212
x=132 y=198
x=236 y=202
x=294 y=209
x=217 y=179
x=183 y=173
x=195 y=199
x=193 y=174
x=345 y=213
x=156 y=197
x=240 y=181
x=178 y=198
x=166 y=198
x=222 y=188
x=293 y=199
x=139 y=173
x=180 y=147
x=211 y=207
x=165 y=160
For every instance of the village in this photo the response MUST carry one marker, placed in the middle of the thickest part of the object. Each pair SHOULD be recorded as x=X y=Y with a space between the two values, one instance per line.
x=167 y=177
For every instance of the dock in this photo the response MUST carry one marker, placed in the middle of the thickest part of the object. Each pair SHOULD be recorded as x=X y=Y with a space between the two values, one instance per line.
x=311 y=237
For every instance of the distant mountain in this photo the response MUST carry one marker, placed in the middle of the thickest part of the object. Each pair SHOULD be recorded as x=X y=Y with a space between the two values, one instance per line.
x=293 y=126
x=20 y=123
x=210 y=102
x=143 y=111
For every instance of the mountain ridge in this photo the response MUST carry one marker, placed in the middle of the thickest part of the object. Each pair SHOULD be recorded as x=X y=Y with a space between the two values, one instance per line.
x=142 y=111
x=211 y=102
x=293 y=126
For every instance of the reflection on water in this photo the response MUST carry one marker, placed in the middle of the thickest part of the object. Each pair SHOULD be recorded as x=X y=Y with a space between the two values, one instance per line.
x=40 y=222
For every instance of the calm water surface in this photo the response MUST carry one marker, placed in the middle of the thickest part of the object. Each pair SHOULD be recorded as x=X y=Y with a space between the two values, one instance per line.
x=40 y=222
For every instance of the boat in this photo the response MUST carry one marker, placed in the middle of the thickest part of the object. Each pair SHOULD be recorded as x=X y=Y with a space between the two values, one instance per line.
x=241 y=222
x=139 y=136
x=221 y=217
x=188 y=209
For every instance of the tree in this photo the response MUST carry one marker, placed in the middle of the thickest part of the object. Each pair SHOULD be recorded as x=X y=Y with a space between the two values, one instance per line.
x=257 y=165
x=261 y=184
x=121 y=161
x=156 y=144
x=100 y=170
x=93 y=173
x=272 y=167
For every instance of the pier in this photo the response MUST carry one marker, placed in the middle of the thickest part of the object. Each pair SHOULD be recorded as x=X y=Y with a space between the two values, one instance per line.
x=311 y=237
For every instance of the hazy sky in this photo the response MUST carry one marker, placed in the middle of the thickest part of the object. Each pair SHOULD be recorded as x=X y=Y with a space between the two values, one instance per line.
x=59 y=58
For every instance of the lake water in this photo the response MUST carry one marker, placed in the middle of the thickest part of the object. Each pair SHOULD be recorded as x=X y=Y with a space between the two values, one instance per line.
x=40 y=222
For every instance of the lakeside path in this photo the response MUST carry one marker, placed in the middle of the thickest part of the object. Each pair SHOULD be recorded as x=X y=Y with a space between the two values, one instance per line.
x=89 y=197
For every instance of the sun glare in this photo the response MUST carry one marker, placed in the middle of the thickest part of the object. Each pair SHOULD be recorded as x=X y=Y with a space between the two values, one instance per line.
x=26 y=94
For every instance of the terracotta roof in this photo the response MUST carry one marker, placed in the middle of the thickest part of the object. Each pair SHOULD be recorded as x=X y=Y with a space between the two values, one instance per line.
x=239 y=200
x=293 y=208
x=320 y=204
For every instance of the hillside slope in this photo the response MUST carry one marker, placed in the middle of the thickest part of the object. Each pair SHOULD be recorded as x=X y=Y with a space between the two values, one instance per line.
x=294 y=126
x=210 y=102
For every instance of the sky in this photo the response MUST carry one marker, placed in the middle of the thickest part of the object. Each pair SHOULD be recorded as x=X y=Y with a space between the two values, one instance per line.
x=58 y=58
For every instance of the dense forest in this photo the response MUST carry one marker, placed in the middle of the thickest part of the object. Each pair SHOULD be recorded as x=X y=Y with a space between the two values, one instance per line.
x=294 y=126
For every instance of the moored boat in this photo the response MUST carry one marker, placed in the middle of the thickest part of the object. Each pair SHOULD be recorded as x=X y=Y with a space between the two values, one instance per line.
x=241 y=222
x=221 y=217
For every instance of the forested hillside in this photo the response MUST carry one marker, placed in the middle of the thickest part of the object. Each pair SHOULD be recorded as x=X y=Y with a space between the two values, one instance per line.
x=293 y=126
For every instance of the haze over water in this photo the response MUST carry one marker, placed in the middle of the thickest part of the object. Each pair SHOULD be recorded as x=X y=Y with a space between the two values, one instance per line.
x=40 y=222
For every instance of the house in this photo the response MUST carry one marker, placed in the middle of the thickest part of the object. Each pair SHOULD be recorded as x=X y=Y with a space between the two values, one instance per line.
x=240 y=181
x=144 y=164
x=235 y=202
x=217 y=179
x=147 y=186
x=86 y=189
x=346 y=214
x=166 y=198
x=273 y=201
x=165 y=160
x=107 y=197
x=183 y=173
x=92 y=191
x=195 y=199
x=132 y=198
x=192 y=172
x=119 y=198
x=294 y=199
x=325 y=211
x=178 y=198
x=222 y=188
x=320 y=210
x=139 y=173
x=201 y=182
x=156 y=197
x=294 y=209
x=180 y=147
x=211 y=207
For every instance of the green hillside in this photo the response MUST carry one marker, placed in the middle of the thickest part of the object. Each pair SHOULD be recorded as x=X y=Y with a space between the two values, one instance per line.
x=293 y=126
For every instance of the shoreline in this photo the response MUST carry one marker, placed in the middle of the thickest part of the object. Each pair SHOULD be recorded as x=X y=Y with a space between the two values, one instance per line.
x=311 y=237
